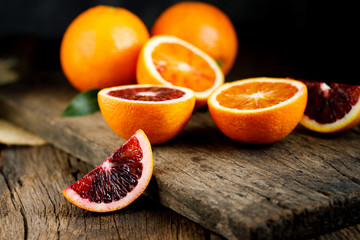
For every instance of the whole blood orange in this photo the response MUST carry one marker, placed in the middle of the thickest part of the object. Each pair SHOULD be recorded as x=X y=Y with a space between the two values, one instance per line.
x=118 y=181
x=100 y=48
x=202 y=25
x=168 y=60
x=161 y=111
x=258 y=110
x=333 y=108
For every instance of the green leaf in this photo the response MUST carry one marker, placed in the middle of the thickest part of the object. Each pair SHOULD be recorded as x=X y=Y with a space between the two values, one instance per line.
x=219 y=62
x=82 y=104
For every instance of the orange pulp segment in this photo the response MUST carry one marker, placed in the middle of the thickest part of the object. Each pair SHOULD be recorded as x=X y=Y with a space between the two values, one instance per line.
x=256 y=95
x=182 y=67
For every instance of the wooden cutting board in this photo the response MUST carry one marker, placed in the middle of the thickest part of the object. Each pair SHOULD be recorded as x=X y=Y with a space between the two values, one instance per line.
x=303 y=185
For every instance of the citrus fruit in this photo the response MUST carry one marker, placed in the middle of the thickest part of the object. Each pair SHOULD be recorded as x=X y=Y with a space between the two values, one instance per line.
x=161 y=111
x=118 y=181
x=100 y=48
x=203 y=25
x=258 y=110
x=333 y=108
x=168 y=60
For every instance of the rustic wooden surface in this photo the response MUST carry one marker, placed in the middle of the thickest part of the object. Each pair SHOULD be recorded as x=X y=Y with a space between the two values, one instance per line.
x=302 y=186
x=32 y=206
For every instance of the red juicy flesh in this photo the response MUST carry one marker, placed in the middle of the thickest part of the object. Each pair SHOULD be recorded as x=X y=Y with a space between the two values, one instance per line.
x=101 y=185
x=327 y=108
x=148 y=94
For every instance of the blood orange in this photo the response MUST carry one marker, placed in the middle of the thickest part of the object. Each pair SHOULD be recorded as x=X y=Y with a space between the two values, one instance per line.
x=118 y=181
x=161 y=111
x=333 y=108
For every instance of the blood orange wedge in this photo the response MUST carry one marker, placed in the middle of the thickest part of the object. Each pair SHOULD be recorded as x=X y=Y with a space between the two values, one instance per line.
x=333 y=108
x=170 y=61
x=118 y=181
x=161 y=111
x=258 y=110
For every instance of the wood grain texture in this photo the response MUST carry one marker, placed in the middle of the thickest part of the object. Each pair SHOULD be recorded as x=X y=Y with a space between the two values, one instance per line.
x=301 y=186
x=350 y=233
x=32 y=206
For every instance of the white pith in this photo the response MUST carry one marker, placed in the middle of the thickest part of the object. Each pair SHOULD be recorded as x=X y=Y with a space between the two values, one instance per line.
x=300 y=86
x=188 y=93
x=147 y=162
x=155 y=41
x=106 y=165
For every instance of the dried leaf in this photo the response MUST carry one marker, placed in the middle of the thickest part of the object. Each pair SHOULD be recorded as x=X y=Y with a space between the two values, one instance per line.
x=11 y=134
x=7 y=73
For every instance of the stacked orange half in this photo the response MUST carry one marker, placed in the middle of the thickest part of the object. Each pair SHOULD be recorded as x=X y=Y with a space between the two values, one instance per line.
x=168 y=60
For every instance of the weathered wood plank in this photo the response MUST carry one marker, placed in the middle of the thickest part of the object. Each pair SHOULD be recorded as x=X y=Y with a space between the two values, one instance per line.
x=12 y=213
x=350 y=233
x=303 y=185
x=32 y=206
x=27 y=173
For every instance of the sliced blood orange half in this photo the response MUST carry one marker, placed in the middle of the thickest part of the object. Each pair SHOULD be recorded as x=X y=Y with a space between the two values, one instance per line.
x=258 y=110
x=161 y=111
x=333 y=108
x=169 y=61
x=118 y=181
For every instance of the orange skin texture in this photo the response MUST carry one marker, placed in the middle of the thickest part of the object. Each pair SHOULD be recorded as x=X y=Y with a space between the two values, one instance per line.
x=336 y=129
x=203 y=25
x=260 y=127
x=100 y=48
x=160 y=122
